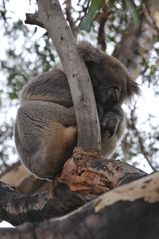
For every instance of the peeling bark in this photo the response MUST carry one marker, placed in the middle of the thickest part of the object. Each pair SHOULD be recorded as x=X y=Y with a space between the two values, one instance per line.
x=90 y=174
x=87 y=176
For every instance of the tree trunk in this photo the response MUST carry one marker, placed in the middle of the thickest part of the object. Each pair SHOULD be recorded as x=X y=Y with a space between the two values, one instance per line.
x=130 y=211
x=51 y=16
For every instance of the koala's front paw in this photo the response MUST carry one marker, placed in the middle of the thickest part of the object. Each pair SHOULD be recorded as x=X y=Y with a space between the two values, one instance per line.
x=109 y=123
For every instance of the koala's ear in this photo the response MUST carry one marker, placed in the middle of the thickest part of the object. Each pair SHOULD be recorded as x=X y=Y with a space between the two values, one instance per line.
x=132 y=88
x=90 y=53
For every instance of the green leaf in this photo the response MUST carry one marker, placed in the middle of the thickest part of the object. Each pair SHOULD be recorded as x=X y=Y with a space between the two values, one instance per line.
x=13 y=95
x=133 y=10
x=88 y=19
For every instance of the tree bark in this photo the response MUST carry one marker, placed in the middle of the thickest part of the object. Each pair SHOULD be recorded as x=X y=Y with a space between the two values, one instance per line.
x=130 y=211
x=88 y=176
x=91 y=175
x=17 y=208
x=137 y=42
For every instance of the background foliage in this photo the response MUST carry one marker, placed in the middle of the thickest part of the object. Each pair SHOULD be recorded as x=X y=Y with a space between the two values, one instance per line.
x=27 y=51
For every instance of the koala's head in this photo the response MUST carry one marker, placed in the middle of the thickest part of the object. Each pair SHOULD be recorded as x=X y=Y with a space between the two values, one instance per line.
x=107 y=73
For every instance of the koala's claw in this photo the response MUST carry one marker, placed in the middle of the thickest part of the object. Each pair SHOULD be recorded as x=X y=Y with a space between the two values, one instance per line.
x=109 y=124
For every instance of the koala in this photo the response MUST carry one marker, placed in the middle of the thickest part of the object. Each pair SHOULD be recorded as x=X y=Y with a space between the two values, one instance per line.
x=45 y=129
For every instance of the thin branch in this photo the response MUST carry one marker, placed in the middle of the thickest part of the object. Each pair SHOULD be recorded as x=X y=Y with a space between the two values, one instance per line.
x=69 y=17
x=140 y=140
x=34 y=19
x=101 y=18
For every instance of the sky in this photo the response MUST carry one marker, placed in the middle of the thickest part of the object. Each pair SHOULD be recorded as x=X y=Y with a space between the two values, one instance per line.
x=146 y=104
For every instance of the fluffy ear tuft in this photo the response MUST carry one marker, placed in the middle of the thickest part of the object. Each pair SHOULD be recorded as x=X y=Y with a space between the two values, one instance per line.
x=90 y=53
x=132 y=88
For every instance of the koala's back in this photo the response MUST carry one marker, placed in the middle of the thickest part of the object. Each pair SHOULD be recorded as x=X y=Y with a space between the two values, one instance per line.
x=51 y=86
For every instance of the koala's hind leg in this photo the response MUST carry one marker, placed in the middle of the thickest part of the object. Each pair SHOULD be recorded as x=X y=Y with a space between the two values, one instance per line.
x=45 y=136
